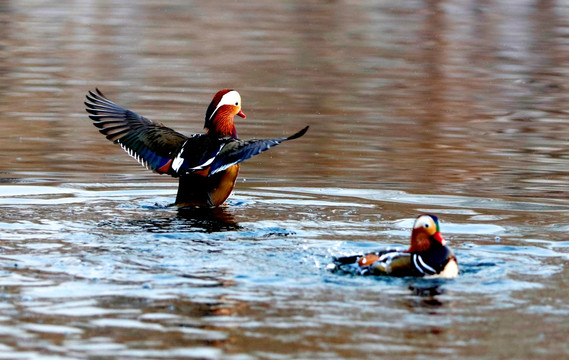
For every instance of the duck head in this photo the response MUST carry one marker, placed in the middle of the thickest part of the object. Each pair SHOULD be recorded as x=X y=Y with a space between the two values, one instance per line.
x=220 y=113
x=426 y=233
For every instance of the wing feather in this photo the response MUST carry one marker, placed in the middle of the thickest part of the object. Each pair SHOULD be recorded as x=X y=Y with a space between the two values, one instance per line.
x=238 y=150
x=151 y=144
x=166 y=151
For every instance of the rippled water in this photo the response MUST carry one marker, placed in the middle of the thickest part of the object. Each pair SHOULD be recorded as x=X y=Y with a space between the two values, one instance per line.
x=456 y=108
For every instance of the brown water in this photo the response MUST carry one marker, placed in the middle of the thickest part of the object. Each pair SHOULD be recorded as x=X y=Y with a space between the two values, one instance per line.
x=456 y=108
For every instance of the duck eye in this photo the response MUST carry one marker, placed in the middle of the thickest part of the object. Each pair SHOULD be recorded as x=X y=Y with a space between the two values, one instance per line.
x=426 y=225
x=236 y=104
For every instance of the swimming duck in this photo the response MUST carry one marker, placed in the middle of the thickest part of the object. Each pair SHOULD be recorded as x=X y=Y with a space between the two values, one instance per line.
x=427 y=255
x=207 y=164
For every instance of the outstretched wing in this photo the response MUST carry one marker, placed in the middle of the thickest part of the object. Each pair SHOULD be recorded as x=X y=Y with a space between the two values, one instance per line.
x=166 y=151
x=151 y=144
x=236 y=151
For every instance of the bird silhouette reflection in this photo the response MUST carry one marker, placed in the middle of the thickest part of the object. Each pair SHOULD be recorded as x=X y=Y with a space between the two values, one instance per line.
x=205 y=220
x=208 y=219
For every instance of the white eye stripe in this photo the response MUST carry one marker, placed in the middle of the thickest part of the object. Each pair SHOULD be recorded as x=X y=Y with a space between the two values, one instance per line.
x=423 y=221
x=231 y=98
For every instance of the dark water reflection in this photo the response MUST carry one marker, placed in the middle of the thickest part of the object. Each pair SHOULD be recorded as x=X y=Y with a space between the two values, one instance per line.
x=457 y=108
x=188 y=220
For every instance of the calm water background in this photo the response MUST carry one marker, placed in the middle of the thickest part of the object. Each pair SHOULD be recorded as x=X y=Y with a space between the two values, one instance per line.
x=459 y=108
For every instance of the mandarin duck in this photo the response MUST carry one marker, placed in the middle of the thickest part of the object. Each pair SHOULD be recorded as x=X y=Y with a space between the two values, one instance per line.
x=207 y=164
x=427 y=255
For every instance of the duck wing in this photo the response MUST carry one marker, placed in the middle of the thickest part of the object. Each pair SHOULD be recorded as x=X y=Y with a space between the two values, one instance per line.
x=236 y=151
x=365 y=264
x=166 y=151
x=152 y=144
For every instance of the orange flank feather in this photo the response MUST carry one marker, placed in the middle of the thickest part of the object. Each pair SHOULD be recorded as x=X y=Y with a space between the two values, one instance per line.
x=164 y=168
x=204 y=172
x=225 y=185
x=367 y=259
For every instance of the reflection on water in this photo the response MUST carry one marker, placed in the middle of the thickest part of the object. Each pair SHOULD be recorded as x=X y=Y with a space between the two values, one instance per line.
x=187 y=280
x=455 y=108
x=211 y=220
x=187 y=220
